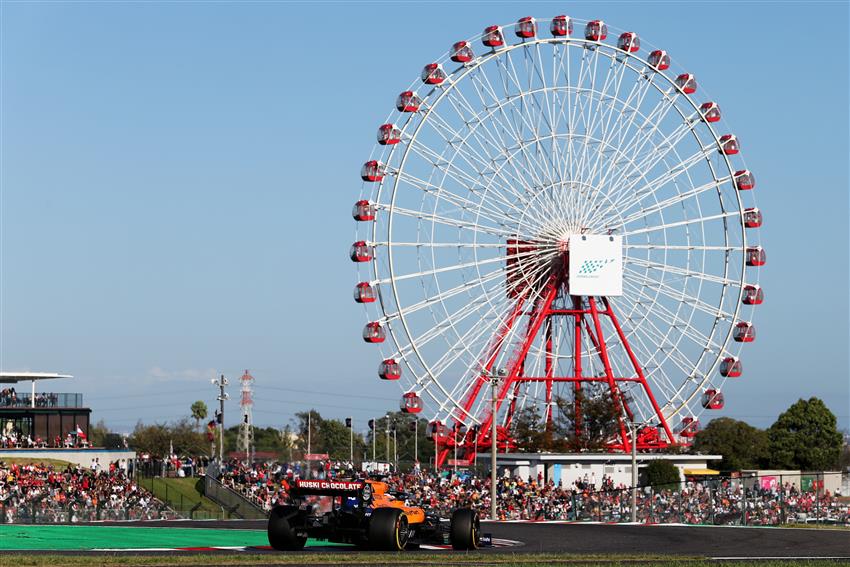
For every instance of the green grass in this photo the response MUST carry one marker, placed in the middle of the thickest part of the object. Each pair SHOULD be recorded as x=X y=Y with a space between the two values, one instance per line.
x=182 y=494
x=367 y=558
x=57 y=463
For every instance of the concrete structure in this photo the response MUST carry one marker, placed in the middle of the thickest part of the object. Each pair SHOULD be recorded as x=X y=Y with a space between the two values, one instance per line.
x=82 y=457
x=567 y=468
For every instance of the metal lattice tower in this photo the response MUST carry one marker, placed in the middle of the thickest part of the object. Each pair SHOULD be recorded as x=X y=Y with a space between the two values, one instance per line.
x=246 y=429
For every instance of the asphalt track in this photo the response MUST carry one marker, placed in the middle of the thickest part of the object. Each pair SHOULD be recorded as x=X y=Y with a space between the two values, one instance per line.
x=602 y=539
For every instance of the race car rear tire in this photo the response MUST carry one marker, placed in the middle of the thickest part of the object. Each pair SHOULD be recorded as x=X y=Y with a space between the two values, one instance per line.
x=465 y=530
x=281 y=535
x=388 y=530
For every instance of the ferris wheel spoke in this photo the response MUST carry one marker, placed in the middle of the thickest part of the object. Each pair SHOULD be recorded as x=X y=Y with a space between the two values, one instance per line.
x=492 y=138
x=493 y=215
x=667 y=351
x=444 y=220
x=455 y=267
x=463 y=178
x=658 y=152
x=682 y=247
x=675 y=321
x=487 y=161
x=666 y=226
x=647 y=130
x=667 y=203
x=679 y=295
x=613 y=134
x=509 y=124
x=675 y=270
x=604 y=104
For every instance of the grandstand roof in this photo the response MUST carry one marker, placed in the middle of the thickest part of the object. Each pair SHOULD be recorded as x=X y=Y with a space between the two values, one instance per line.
x=15 y=377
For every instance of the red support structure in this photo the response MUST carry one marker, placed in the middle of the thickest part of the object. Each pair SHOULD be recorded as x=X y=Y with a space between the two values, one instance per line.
x=588 y=314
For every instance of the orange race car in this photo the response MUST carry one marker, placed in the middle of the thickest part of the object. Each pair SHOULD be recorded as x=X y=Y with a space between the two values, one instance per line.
x=363 y=512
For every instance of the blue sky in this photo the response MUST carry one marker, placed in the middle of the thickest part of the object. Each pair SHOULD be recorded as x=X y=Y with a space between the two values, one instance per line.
x=177 y=180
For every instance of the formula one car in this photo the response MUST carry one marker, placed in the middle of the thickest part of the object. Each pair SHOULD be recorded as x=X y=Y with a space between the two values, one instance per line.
x=365 y=514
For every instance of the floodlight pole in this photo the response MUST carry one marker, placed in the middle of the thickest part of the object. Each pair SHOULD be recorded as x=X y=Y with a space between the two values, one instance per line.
x=494 y=386
x=221 y=383
x=351 y=442
x=633 y=442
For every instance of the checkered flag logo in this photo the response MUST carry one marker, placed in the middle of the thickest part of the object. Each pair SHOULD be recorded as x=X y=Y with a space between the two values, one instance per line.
x=591 y=266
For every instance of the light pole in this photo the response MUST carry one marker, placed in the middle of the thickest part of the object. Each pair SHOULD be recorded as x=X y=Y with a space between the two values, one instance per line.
x=494 y=387
x=222 y=396
x=633 y=441
x=388 y=437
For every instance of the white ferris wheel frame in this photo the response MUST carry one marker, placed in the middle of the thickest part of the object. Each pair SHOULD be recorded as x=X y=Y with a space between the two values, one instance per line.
x=427 y=379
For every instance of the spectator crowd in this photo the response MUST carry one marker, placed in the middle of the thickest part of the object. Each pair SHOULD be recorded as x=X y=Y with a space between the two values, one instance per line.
x=724 y=501
x=38 y=493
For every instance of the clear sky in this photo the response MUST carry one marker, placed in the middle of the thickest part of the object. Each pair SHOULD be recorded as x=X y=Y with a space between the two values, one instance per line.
x=177 y=180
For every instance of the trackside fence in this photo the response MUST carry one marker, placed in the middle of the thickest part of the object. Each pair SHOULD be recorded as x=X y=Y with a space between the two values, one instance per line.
x=748 y=501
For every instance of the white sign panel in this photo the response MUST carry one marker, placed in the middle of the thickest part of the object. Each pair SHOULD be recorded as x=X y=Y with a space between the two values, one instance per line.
x=596 y=265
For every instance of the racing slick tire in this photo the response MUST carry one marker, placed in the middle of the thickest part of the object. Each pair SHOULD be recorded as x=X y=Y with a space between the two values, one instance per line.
x=281 y=535
x=465 y=530
x=388 y=530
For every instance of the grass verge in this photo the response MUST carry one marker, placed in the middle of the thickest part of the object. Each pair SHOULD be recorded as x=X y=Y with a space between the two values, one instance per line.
x=362 y=558
x=182 y=494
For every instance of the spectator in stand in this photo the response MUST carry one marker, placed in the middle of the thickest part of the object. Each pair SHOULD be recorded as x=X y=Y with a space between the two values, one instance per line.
x=41 y=493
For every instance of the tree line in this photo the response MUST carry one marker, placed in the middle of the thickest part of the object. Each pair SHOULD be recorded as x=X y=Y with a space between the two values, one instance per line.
x=804 y=437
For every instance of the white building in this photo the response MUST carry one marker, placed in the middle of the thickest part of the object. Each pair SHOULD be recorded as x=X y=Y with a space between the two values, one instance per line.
x=567 y=468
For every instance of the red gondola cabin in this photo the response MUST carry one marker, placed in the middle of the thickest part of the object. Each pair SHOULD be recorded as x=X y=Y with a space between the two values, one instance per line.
x=744 y=180
x=595 y=30
x=360 y=252
x=753 y=295
x=408 y=101
x=462 y=52
x=364 y=292
x=753 y=218
x=389 y=134
x=373 y=171
x=493 y=37
x=689 y=427
x=710 y=111
x=374 y=333
x=389 y=369
x=628 y=42
x=411 y=403
x=712 y=399
x=433 y=74
x=561 y=26
x=744 y=332
x=434 y=429
x=731 y=367
x=756 y=256
x=526 y=27
x=659 y=60
x=729 y=145
x=363 y=211
x=687 y=82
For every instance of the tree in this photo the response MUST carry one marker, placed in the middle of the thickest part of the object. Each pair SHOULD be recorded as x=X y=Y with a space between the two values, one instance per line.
x=742 y=445
x=199 y=412
x=529 y=431
x=587 y=423
x=806 y=437
x=662 y=474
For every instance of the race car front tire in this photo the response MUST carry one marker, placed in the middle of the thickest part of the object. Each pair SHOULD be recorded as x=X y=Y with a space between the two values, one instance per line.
x=281 y=535
x=388 y=530
x=465 y=530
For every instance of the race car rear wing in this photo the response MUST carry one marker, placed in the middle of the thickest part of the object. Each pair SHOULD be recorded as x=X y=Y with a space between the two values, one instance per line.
x=326 y=488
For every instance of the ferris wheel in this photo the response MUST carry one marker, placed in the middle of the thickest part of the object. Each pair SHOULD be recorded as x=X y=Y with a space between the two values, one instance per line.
x=566 y=214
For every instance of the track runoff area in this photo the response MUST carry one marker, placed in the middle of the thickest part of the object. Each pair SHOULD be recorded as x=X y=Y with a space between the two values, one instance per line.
x=525 y=542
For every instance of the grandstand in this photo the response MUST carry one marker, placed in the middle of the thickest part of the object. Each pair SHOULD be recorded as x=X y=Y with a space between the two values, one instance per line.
x=38 y=422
